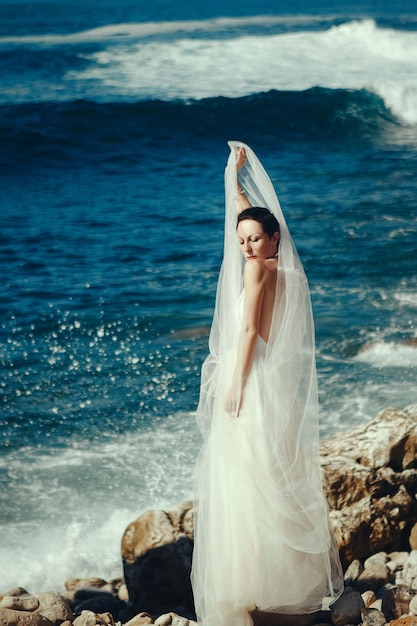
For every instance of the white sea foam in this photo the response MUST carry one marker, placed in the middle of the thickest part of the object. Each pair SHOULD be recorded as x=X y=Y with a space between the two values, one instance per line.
x=389 y=354
x=234 y=57
x=406 y=298
x=356 y=55
x=66 y=509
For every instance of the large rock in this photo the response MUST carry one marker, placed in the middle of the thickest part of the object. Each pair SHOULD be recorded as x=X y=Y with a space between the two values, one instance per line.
x=54 y=607
x=157 y=551
x=370 y=481
x=11 y=617
x=44 y=609
x=20 y=603
x=347 y=609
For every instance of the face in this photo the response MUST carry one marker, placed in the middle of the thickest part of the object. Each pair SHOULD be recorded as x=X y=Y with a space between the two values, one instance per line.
x=254 y=243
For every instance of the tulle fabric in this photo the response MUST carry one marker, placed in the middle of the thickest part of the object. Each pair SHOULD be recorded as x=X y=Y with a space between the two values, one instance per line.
x=262 y=538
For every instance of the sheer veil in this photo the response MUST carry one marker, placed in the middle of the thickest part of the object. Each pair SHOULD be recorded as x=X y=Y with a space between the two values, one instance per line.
x=295 y=511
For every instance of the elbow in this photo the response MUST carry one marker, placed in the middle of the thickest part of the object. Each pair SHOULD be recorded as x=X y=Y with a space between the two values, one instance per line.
x=251 y=332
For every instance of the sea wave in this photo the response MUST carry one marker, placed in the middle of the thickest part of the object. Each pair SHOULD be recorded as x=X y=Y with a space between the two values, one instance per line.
x=83 y=131
x=134 y=30
x=98 y=488
x=389 y=354
x=219 y=58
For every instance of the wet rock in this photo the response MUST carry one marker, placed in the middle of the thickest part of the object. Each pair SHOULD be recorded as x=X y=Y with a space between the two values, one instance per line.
x=347 y=609
x=157 y=553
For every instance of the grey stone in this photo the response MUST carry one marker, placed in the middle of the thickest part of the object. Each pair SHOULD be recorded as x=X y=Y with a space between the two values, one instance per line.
x=347 y=609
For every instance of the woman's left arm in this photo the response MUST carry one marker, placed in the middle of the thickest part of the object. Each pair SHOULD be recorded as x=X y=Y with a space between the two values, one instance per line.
x=242 y=201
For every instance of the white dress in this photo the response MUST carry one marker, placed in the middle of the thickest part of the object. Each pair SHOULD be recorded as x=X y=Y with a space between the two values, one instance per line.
x=262 y=538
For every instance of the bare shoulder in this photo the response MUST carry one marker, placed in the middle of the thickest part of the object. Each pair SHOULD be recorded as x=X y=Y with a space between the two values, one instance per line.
x=255 y=270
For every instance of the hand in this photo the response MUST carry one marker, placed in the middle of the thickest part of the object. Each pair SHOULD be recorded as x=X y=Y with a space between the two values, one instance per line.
x=240 y=158
x=234 y=400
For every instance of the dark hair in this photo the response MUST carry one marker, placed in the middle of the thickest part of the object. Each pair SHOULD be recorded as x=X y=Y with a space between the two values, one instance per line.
x=268 y=221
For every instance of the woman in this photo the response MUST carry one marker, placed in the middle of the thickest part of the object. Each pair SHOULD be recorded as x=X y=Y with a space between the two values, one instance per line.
x=262 y=538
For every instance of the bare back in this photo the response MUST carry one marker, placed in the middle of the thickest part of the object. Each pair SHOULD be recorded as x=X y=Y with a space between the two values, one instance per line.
x=260 y=288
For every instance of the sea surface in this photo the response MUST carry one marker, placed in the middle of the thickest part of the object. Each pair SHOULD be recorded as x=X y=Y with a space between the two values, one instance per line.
x=114 y=121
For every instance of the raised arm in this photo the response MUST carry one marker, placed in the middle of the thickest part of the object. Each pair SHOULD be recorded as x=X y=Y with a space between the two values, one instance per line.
x=242 y=201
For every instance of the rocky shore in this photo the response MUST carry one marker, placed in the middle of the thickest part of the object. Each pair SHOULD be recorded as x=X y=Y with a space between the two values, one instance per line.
x=370 y=481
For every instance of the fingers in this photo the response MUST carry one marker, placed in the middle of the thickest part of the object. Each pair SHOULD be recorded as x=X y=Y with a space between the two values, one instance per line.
x=233 y=406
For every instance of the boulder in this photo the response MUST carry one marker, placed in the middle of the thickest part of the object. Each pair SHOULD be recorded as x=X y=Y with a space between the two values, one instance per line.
x=20 y=603
x=396 y=602
x=10 y=617
x=370 y=482
x=157 y=552
x=54 y=607
x=347 y=609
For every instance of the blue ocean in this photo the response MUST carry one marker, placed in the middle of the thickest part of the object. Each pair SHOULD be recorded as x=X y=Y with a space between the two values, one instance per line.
x=114 y=121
